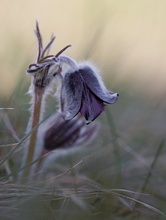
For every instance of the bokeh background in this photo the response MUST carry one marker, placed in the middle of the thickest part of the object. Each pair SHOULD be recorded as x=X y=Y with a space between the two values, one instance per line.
x=126 y=36
x=127 y=41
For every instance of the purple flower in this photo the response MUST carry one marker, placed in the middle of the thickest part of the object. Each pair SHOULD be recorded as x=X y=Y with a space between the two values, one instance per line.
x=63 y=134
x=83 y=91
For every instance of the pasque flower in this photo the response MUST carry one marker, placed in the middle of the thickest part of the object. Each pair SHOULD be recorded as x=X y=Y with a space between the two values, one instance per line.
x=43 y=72
x=83 y=91
x=63 y=134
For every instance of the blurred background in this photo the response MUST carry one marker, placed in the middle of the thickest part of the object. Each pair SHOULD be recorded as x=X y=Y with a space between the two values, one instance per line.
x=127 y=41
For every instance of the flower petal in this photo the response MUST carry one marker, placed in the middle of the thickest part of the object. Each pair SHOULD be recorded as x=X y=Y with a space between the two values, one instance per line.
x=63 y=134
x=91 y=105
x=73 y=87
x=96 y=85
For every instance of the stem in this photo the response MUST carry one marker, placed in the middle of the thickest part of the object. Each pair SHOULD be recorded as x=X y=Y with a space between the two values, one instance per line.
x=36 y=116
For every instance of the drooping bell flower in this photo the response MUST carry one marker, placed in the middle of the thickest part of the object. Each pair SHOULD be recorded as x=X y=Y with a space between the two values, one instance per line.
x=83 y=91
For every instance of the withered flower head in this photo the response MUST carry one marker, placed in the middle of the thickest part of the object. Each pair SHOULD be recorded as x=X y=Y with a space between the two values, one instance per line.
x=83 y=91
x=62 y=134
x=46 y=66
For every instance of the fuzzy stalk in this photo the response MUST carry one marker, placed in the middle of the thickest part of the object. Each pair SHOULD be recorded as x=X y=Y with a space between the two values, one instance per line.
x=35 y=120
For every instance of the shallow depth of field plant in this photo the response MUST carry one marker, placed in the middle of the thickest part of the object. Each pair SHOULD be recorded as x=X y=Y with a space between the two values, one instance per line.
x=68 y=165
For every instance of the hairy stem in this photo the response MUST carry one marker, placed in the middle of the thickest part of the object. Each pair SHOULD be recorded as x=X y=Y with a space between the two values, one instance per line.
x=35 y=119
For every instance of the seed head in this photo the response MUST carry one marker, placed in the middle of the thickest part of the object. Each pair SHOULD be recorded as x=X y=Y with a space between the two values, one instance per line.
x=46 y=66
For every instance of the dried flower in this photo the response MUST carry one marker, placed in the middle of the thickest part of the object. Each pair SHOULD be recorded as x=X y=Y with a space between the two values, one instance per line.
x=62 y=134
x=47 y=66
x=43 y=72
x=83 y=91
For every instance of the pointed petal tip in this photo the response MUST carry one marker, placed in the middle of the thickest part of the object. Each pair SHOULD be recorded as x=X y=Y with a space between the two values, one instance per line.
x=116 y=95
x=88 y=122
x=112 y=98
x=69 y=116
